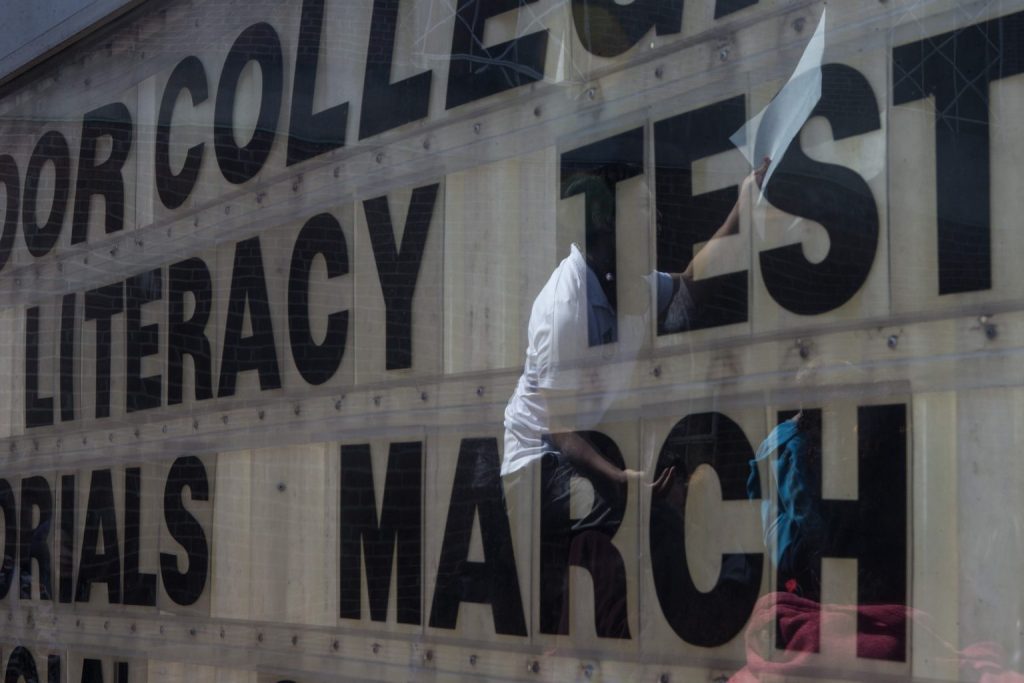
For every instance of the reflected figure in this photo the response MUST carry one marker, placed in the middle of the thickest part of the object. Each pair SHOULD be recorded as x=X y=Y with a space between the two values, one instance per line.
x=794 y=531
x=565 y=391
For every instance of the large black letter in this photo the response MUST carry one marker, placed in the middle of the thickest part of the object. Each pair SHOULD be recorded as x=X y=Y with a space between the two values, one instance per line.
x=185 y=588
x=8 y=510
x=956 y=69
x=188 y=337
x=317 y=363
x=100 y=522
x=388 y=105
x=584 y=542
x=257 y=43
x=175 y=189
x=831 y=195
x=399 y=268
x=141 y=341
x=38 y=410
x=51 y=148
x=871 y=529
x=396 y=537
x=685 y=219
x=714 y=618
x=101 y=305
x=21 y=666
x=257 y=352
x=312 y=134
x=139 y=588
x=477 y=489
x=609 y=162
x=68 y=342
x=11 y=181
x=104 y=179
x=607 y=28
x=66 y=557
x=34 y=541
x=476 y=71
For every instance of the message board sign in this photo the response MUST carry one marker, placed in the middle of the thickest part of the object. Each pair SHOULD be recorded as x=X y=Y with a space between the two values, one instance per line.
x=268 y=283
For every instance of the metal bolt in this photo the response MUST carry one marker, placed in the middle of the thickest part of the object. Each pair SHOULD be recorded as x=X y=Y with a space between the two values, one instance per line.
x=259 y=637
x=476 y=128
x=261 y=414
x=892 y=341
x=164 y=429
x=281 y=486
x=260 y=196
x=664 y=678
x=192 y=631
x=380 y=157
x=591 y=93
x=426 y=143
x=224 y=419
x=110 y=437
x=375 y=648
x=335 y=645
x=296 y=183
x=195 y=424
x=723 y=54
x=137 y=432
x=337 y=404
x=533 y=667
x=991 y=331
x=472 y=660
x=479 y=391
x=656 y=371
x=297 y=409
x=588 y=670
x=295 y=640
x=337 y=171
x=134 y=628
x=803 y=349
x=428 y=656
x=423 y=396
x=536 y=111
x=222 y=633
x=376 y=400
x=798 y=24
x=227 y=209
x=659 y=72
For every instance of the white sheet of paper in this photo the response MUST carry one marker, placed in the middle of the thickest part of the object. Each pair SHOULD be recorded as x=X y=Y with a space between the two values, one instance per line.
x=771 y=131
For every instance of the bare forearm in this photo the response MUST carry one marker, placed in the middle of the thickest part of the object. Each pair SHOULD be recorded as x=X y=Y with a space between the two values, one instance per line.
x=583 y=456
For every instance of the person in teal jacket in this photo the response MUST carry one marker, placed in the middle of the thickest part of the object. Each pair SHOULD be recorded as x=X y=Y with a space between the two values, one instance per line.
x=790 y=514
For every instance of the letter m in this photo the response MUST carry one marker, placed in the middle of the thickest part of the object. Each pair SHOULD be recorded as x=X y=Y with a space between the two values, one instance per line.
x=392 y=540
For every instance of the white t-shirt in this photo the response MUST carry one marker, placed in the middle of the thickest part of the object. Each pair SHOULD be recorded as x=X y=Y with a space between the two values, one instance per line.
x=567 y=318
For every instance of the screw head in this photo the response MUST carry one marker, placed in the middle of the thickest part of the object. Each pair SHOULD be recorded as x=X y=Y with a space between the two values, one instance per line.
x=892 y=341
